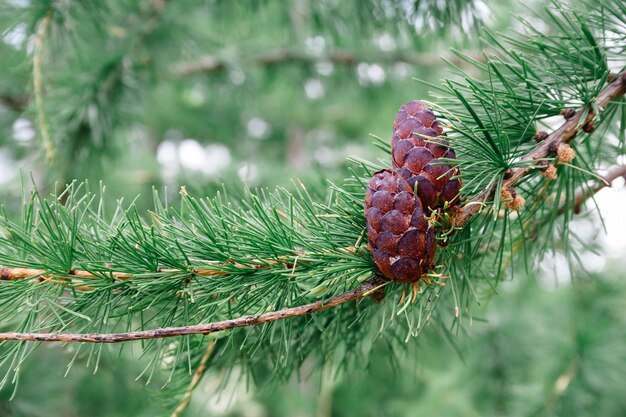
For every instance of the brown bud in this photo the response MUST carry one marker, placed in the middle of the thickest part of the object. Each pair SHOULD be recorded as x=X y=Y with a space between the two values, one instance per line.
x=517 y=203
x=505 y=194
x=511 y=199
x=589 y=127
x=568 y=113
x=540 y=136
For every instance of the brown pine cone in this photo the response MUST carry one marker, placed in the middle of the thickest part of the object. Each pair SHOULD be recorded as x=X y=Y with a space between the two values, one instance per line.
x=400 y=236
x=416 y=145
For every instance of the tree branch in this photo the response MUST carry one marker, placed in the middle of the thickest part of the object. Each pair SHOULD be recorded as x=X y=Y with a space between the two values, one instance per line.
x=14 y=274
x=563 y=134
x=580 y=198
x=584 y=194
x=211 y=63
x=361 y=291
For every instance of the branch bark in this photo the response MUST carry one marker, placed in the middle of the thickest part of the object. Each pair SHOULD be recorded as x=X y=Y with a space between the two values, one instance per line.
x=564 y=134
x=13 y=274
x=361 y=291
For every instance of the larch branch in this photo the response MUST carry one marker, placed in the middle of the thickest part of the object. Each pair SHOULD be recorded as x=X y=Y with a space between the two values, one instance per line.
x=564 y=134
x=81 y=276
x=361 y=291
x=13 y=274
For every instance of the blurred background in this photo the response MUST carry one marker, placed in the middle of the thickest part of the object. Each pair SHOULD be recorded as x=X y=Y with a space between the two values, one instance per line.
x=149 y=94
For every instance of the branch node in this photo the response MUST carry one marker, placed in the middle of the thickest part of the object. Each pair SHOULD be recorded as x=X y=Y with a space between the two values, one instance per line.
x=568 y=113
x=553 y=146
x=540 y=136
x=377 y=295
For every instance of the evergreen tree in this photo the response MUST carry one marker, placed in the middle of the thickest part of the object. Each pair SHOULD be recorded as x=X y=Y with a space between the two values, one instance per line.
x=259 y=283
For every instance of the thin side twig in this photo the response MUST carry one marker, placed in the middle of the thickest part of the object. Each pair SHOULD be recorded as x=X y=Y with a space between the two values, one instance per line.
x=76 y=276
x=14 y=274
x=197 y=376
x=583 y=195
x=42 y=119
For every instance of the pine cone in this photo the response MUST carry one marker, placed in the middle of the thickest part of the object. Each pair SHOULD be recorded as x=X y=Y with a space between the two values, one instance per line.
x=400 y=236
x=416 y=146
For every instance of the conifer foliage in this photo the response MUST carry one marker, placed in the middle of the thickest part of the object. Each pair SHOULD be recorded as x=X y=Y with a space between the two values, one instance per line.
x=265 y=280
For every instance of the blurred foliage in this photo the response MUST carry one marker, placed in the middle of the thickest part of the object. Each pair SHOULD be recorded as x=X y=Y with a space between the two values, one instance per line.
x=150 y=93
x=301 y=83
